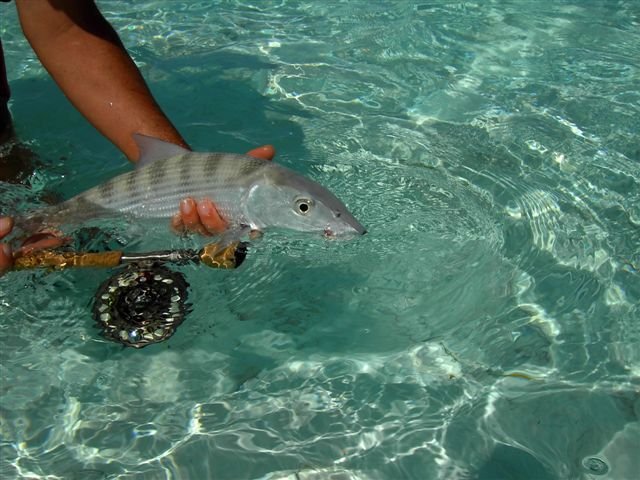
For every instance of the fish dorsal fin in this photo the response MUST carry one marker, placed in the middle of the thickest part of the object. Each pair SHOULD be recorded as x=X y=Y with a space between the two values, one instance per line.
x=152 y=149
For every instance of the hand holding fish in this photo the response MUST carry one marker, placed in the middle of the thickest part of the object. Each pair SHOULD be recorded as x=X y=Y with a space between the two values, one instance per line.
x=202 y=217
x=198 y=217
x=36 y=242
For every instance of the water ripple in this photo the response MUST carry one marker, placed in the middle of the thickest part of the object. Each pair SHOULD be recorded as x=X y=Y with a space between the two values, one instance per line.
x=487 y=321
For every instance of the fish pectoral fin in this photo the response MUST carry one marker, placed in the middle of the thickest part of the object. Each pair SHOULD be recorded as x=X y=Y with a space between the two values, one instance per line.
x=233 y=234
x=152 y=149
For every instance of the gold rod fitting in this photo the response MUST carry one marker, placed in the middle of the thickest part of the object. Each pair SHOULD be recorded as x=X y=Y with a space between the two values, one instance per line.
x=215 y=257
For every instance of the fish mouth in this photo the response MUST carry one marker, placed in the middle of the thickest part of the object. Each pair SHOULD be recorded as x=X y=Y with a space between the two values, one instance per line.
x=329 y=233
x=350 y=221
x=343 y=223
x=353 y=223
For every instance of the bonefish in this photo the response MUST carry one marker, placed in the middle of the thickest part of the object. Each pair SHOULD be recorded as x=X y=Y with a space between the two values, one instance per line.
x=247 y=192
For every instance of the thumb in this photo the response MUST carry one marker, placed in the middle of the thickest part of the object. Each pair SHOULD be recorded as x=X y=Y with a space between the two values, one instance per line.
x=265 y=152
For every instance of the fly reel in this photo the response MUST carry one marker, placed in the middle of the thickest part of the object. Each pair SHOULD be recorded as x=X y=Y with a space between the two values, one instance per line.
x=142 y=304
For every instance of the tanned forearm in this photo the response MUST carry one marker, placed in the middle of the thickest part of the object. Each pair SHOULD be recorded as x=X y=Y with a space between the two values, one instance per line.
x=86 y=58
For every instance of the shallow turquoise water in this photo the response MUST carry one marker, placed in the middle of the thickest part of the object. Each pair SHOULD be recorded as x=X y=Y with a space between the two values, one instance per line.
x=486 y=328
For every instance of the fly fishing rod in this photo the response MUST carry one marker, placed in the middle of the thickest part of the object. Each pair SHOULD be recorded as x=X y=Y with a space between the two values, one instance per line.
x=144 y=302
x=214 y=255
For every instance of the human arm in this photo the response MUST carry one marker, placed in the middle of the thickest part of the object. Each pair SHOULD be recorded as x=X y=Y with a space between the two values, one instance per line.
x=85 y=57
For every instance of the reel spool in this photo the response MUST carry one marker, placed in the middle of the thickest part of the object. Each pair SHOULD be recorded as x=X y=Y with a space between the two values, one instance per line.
x=140 y=305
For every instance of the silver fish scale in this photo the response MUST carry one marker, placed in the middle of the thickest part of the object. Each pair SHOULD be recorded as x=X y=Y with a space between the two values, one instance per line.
x=155 y=191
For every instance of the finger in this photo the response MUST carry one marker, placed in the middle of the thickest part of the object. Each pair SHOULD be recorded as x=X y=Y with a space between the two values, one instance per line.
x=6 y=255
x=209 y=217
x=265 y=152
x=6 y=258
x=6 y=225
x=190 y=217
x=42 y=241
x=176 y=224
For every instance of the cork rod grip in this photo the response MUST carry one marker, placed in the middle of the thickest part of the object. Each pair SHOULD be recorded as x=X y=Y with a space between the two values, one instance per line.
x=60 y=260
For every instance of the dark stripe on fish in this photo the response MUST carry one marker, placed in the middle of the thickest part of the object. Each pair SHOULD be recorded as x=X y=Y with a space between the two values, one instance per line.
x=249 y=167
x=157 y=173
x=212 y=165
x=106 y=191
x=185 y=170
x=131 y=183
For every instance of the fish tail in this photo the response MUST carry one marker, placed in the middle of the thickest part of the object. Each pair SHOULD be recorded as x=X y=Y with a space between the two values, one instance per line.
x=53 y=218
x=34 y=222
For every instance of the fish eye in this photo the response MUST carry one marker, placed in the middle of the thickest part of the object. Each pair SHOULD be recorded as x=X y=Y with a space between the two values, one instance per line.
x=303 y=205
